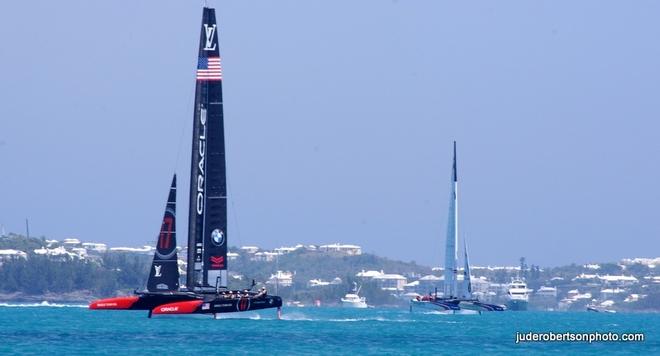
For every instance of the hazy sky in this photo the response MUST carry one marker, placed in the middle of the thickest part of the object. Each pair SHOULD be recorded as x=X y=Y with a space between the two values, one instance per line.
x=340 y=117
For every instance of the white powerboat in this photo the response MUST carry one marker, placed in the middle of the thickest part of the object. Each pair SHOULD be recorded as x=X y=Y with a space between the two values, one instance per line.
x=518 y=295
x=353 y=299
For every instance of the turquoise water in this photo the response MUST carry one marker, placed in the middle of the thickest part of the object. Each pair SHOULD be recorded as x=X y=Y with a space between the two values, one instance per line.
x=72 y=330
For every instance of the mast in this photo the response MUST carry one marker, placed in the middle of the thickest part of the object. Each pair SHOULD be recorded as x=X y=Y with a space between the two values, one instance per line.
x=451 y=251
x=207 y=220
x=164 y=272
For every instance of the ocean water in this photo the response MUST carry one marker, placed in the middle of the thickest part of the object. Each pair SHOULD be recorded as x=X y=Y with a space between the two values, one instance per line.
x=56 y=329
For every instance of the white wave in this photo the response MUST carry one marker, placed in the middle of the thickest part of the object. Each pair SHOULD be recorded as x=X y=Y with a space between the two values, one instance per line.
x=238 y=315
x=296 y=316
x=439 y=312
x=43 y=304
x=371 y=319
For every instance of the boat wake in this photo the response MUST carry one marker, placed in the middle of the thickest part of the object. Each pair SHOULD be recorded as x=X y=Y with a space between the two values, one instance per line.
x=296 y=316
x=43 y=304
x=302 y=317
x=242 y=315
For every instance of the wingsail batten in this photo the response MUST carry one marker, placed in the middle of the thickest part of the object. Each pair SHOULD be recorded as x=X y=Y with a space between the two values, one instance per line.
x=164 y=273
x=207 y=234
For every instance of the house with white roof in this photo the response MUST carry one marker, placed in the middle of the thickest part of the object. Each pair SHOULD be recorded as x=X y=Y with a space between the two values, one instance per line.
x=650 y=262
x=317 y=283
x=71 y=242
x=350 y=250
x=592 y=266
x=611 y=293
x=369 y=274
x=621 y=280
x=7 y=255
x=281 y=278
x=95 y=246
x=391 y=282
x=264 y=256
x=249 y=249
x=144 y=249
x=58 y=252
x=285 y=250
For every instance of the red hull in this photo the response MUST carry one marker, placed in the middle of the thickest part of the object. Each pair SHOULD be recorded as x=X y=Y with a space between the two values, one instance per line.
x=187 y=307
x=114 y=303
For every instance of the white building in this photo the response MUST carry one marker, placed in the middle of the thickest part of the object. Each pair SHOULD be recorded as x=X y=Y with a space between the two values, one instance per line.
x=285 y=250
x=7 y=255
x=547 y=292
x=144 y=249
x=59 y=252
x=633 y=298
x=232 y=256
x=71 y=242
x=350 y=250
x=94 y=246
x=479 y=284
x=264 y=256
x=618 y=280
x=391 y=282
x=249 y=249
x=611 y=293
x=653 y=279
x=281 y=278
x=81 y=252
x=317 y=283
x=336 y=281
x=583 y=277
x=650 y=262
x=369 y=274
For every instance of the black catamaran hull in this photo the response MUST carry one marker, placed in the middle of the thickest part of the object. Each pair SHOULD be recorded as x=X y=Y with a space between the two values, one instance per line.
x=142 y=301
x=217 y=304
x=187 y=303
x=435 y=304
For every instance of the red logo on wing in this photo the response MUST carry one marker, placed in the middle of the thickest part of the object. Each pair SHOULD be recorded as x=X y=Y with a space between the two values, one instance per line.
x=217 y=261
x=165 y=237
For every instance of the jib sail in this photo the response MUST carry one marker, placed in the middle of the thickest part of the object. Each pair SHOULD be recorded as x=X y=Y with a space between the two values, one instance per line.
x=207 y=234
x=164 y=274
x=467 y=282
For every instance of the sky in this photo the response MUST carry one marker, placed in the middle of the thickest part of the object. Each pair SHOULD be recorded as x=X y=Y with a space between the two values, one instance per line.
x=340 y=118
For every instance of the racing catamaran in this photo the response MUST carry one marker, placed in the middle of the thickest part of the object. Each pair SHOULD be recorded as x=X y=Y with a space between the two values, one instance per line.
x=206 y=289
x=452 y=300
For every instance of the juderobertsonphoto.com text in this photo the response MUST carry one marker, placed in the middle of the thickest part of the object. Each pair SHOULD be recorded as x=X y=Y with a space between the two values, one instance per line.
x=578 y=337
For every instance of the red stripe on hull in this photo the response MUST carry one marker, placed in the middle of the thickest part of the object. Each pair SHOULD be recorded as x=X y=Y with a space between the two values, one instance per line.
x=178 y=308
x=114 y=303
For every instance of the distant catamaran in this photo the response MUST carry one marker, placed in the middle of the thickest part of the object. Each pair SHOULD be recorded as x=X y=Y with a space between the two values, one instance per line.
x=206 y=279
x=454 y=300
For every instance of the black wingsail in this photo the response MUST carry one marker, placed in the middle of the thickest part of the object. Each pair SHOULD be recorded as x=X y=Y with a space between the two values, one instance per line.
x=207 y=234
x=164 y=273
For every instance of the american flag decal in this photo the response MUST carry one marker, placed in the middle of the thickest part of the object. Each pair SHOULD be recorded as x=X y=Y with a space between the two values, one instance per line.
x=209 y=68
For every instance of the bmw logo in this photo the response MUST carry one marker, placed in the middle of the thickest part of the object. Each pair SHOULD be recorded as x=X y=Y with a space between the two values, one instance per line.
x=218 y=237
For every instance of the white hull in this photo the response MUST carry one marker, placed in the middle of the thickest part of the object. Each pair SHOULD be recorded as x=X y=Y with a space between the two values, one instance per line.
x=517 y=304
x=350 y=304
x=424 y=305
x=428 y=307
